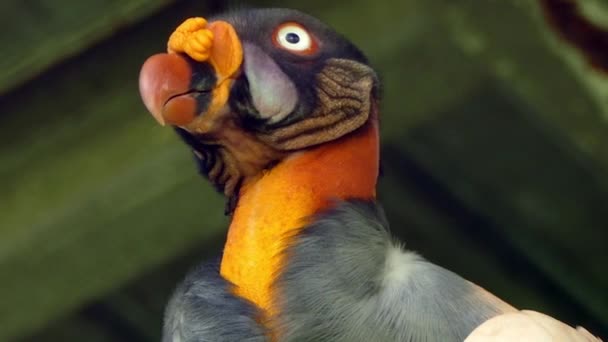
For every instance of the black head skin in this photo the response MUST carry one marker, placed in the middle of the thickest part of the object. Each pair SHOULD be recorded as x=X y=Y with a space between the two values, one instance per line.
x=257 y=26
x=283 y=101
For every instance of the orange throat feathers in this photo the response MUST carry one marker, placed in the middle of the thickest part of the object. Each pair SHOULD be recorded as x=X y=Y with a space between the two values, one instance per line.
x=273 y=207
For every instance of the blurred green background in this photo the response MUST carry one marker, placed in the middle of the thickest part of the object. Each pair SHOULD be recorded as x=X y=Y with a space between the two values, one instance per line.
x=495 y=158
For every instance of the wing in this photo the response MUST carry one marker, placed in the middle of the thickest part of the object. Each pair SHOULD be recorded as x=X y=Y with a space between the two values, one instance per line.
x=347 y=280
x=203 y=309
x=528 y=326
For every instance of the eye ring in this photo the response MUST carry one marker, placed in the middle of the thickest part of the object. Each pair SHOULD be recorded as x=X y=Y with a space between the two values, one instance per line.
x=294 y=38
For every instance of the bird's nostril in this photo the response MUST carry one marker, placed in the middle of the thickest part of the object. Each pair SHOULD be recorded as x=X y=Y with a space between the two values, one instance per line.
x=203 y=76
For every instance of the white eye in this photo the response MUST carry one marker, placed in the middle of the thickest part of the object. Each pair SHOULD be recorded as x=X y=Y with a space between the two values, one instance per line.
x=293 y=37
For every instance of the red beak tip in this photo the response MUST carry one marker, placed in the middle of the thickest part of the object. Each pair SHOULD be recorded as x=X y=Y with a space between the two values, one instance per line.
x=161 y=77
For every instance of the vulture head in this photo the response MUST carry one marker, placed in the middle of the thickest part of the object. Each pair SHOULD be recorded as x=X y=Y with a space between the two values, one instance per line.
x=248 y=89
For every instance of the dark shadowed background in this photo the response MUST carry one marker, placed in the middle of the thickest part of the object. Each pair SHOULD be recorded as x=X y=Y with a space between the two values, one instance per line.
x=495 y=156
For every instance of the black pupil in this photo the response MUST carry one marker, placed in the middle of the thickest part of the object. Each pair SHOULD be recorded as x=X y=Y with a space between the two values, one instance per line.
x=292 y=38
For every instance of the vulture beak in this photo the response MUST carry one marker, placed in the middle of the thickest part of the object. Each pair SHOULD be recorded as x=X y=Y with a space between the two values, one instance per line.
x=189 y=85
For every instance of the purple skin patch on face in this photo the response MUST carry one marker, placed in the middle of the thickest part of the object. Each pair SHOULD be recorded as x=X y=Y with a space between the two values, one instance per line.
x=272 y=92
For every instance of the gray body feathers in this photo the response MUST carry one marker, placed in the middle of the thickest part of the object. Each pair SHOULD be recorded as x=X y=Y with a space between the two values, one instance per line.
x=202 y=309
x=345 y=280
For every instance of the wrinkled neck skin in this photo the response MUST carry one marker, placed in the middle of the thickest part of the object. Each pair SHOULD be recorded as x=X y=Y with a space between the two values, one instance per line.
x=276 y=205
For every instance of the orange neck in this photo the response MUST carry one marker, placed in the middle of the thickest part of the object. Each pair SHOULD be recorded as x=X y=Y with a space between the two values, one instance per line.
x=276 y=205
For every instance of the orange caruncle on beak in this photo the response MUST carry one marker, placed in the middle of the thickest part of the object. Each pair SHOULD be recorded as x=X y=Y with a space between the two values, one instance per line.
x=189 y=85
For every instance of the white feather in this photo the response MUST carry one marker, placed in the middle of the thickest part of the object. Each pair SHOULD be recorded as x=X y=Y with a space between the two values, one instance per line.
x=399 y=265
x=527 y=326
